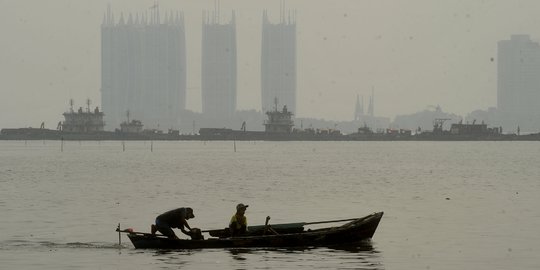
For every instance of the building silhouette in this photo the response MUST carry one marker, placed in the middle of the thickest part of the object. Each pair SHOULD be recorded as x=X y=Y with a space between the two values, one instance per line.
x=278 y=62
x=371 y=106
x=368 y=118
x=143 y=68
x=359 y=108
x=518 y=83
x=218 y=77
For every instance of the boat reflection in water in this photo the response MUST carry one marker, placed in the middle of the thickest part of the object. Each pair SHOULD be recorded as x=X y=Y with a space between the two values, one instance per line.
x=360 y=256
x=360 y=247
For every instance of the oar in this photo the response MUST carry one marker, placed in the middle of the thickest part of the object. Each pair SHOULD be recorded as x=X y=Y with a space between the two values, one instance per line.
x=301 y=224
x=296 y=224
x=327 y=221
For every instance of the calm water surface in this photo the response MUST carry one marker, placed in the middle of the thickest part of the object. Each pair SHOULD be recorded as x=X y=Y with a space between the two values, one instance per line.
x=448 y=205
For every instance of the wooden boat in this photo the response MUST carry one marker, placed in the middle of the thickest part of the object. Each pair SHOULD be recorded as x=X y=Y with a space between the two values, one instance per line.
x=352 y=232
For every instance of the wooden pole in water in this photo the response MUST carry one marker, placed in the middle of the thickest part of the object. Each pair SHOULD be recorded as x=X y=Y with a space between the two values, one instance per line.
x=62 y=144
x=151 y=146
x=235 y=145
x=119 y=237
x=123 y=146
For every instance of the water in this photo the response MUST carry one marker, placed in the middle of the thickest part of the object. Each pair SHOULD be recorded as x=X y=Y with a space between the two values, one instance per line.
x=448 y=205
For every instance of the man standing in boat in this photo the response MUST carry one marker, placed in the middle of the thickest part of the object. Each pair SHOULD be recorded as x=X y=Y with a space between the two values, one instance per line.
x=238 y=224
x=176 y=218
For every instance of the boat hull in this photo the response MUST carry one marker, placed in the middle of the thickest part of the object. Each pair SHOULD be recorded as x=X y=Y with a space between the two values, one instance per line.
x=350 y=233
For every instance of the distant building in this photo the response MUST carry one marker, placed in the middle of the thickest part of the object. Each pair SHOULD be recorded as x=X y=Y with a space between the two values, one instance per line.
x=491 y=116
x=425 y=120
x=518 y=84
x=371 y=106
x=278 y=62
x=218 y=78
x=359 y=108
x=369 y=120
x=143 y=68
x=81 y=121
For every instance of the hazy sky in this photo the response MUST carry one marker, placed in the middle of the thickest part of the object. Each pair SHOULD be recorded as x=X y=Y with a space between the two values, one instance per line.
x=414 y=53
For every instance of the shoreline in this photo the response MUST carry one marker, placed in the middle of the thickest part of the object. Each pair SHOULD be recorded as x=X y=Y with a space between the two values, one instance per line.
x=239 y=135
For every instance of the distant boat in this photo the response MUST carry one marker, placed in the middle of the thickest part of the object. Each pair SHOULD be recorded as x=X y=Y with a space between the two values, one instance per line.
x=279 y=235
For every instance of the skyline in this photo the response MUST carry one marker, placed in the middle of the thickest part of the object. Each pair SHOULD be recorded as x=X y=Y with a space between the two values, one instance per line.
x=415 y=54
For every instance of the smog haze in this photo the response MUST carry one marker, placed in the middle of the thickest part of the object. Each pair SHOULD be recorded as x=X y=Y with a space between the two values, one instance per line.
x=413 y=54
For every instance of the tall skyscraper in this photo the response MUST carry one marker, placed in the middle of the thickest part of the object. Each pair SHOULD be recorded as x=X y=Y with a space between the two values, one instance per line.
x=218 y=77
x=278 y=62
x=518 y=84
x=143 y=69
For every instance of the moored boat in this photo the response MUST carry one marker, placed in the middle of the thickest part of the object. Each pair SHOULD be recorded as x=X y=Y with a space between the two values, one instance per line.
x=349 y=233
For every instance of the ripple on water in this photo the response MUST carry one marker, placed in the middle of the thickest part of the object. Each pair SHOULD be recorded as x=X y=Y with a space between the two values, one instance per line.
x=71 y=202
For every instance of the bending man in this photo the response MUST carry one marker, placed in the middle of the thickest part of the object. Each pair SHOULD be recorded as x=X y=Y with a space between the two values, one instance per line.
x=176 y=218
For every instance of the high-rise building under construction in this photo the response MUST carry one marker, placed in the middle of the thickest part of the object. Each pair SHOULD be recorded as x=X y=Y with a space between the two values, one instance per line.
x=218 y=76
x=143 y=69
x=518 y=84
x=278 y=62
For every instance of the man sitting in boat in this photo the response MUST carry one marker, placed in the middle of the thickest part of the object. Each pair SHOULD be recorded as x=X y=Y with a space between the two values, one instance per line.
x=176 y=218
x=238 y=224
